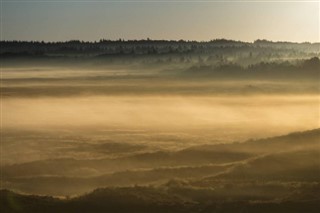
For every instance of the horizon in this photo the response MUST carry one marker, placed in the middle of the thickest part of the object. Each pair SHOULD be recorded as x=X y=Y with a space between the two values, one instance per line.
x=167 y=40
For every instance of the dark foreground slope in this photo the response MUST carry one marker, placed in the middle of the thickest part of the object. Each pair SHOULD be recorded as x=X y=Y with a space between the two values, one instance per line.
x=280 y=174
x=149 y=199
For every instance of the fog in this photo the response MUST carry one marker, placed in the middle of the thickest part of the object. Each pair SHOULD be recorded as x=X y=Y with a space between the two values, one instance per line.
x=188 y=135
x=271 y=113
x=68 y=111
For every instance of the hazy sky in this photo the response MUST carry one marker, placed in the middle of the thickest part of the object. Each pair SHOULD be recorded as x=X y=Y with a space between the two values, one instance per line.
x=53 y=20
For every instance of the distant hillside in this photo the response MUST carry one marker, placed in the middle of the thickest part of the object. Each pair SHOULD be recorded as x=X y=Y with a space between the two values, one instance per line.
x=148 y=47
x=294 y=157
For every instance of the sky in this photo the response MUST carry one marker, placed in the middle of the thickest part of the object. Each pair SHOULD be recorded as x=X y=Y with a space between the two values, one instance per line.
x=60 y=20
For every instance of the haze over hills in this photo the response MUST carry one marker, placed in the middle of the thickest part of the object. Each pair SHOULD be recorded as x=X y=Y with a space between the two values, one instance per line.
x=276 y=173
x=159 y=106
x=152 y=67
x=162 y=125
